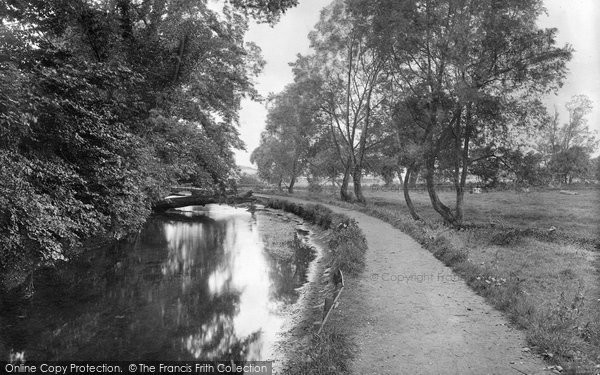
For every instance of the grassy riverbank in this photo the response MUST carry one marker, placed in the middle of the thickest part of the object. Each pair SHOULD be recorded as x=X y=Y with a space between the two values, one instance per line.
x=533 y=256
x=347 y=244
x=331 y=351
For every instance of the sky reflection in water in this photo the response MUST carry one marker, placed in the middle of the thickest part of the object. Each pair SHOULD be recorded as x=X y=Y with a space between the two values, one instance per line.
x=243 y=271
x=195 y=287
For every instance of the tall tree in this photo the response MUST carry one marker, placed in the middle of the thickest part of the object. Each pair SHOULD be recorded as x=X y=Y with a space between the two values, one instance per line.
x=565 y=146
x=471 y=63
x=351 y=71
x=407 y=124
x=288 y=134
x=267 y=157
x=576 y=131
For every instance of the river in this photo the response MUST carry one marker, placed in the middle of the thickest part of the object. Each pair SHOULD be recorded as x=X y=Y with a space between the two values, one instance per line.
x=199 y=285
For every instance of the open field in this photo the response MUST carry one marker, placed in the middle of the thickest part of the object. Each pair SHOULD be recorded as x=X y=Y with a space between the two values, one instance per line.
x=573 y=215
x=532 y=255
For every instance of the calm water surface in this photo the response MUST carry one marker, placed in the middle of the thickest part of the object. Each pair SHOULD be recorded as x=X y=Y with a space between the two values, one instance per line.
x=195 y=286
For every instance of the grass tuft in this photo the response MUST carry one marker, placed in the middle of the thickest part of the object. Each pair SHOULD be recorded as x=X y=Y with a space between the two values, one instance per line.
x=330 y=354
x=347 y=243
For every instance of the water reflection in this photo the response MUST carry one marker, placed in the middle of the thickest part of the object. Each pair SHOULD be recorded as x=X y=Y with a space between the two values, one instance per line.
x=255 y=323
x=199 y=288
x=288 y=275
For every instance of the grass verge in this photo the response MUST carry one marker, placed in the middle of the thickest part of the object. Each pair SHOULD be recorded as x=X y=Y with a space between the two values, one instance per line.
x=331 y=352
x=347 y=244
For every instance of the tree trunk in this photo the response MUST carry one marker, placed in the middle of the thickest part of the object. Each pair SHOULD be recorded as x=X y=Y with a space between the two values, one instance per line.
x=409 y=203
x=444 y=211
x=358 y=162
x=292 y=183
x=345 y=181
x=279 y=184
x=356 y=178
x=464 y=162
x=459 y=212
x=460 y=198
x=414 y=176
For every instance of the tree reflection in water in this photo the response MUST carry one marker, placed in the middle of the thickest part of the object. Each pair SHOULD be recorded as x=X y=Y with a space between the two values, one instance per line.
x=200 y=288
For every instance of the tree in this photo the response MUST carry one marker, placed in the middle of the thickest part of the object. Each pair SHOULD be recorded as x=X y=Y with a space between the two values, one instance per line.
x=486 y=166
x=265 y=10
x=323 y=160
x=350 y=72
x=571 y=163
x=525 y=167
x=565 y=145
x=105 y=104
x=288 y=133
x=472 y=65
x=549 y=143
x=267 y=158
x=576 y=132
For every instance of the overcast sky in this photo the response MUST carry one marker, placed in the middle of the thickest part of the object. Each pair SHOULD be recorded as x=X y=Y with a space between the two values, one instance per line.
x=576 y=20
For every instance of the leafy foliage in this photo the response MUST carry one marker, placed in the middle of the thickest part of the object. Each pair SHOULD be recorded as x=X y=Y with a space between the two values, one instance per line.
x=567 y=148
x=106 y=104
x=426 y=85
x=286 y=141
x=571 y=163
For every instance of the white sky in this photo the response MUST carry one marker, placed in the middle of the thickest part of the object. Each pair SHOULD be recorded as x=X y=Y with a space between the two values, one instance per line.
x=576 y=20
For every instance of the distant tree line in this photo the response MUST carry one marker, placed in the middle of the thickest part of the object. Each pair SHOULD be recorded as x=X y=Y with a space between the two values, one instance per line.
x=557 y=154
x=439 y=90
x=104 y=104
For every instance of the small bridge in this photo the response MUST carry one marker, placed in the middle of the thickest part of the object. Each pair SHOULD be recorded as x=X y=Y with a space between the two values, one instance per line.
x=190 y=190
x=201 y=197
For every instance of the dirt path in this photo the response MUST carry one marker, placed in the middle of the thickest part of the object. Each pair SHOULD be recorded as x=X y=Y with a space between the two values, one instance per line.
x=411 y=314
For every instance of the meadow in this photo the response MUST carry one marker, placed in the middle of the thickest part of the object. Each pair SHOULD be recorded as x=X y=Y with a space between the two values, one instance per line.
x=572 y=215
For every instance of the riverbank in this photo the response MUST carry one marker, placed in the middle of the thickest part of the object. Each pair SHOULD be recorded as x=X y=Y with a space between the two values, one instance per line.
x=292 y=243
x=310 y=346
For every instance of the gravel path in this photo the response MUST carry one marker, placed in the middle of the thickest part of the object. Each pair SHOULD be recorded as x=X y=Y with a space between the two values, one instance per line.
x=411 y=314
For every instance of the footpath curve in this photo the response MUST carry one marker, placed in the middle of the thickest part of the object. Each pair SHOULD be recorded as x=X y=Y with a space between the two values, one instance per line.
x=410 y=314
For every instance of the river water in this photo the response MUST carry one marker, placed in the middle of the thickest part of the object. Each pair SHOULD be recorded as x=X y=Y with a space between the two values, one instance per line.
x=198 y=285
